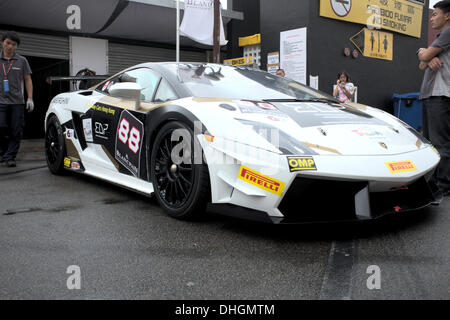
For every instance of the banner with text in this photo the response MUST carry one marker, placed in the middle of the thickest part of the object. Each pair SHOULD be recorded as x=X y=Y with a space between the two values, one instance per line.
x=293 y=54
x=400 y=16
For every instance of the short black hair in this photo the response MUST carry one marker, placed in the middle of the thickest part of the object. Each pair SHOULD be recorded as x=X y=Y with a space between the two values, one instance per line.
x=443 y=5
x=11 y=35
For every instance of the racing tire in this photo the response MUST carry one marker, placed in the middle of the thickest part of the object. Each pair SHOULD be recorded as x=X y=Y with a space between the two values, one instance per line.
x=183 y=190
x=55 y=147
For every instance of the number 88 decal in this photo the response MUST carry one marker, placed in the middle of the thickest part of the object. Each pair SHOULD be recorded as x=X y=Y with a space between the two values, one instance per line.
x=133 y=136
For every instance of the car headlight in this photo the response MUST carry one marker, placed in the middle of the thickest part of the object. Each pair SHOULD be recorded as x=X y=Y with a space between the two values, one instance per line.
x=278 y=138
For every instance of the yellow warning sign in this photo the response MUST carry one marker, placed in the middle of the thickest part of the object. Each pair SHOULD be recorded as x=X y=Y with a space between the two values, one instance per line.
x=378 y=44
x=400 y=16
x=374 y=44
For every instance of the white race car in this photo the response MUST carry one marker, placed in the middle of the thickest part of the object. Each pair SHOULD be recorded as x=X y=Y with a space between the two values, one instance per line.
x=238 y=141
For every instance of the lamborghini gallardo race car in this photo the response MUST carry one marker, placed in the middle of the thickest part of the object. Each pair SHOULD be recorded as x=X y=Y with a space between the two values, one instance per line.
x=239 y=141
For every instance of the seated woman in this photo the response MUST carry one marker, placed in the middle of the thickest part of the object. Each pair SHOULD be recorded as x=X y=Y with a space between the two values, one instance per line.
x=344 y=90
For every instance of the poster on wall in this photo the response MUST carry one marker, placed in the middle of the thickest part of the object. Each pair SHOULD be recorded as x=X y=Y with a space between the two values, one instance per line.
x=293 y=54
x=273 y=62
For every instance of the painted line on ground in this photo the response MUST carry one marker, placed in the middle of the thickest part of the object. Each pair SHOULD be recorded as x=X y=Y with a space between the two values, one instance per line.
x=338 y=277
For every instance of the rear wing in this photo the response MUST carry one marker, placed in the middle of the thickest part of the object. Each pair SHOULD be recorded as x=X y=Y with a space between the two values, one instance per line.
x=85 y=82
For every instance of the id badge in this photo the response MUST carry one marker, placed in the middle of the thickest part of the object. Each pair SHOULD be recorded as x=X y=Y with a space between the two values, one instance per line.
x=5 y=86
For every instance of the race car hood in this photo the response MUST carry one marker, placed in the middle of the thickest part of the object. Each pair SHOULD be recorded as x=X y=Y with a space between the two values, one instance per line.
x=313 y=128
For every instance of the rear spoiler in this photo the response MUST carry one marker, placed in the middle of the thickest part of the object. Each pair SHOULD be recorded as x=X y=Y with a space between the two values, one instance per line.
x=77 y=78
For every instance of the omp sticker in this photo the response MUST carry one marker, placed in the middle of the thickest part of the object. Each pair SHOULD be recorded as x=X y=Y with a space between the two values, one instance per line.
x=401 y=166
x=301 y=163
x=261 y=181
x=67 y=162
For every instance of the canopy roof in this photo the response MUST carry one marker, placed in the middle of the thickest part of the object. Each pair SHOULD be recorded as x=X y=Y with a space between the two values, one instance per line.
x=145 y=20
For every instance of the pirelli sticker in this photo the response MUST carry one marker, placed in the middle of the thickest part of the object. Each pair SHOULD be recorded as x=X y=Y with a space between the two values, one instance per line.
x=261 y=181
x=401 y=166
x=297 y=163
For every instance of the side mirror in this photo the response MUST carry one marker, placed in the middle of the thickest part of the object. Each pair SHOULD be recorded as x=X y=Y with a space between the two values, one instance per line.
x=127 y=90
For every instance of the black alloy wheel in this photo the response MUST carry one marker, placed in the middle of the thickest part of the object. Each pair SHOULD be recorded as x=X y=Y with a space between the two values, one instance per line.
x=182 y=189
x=55 y=147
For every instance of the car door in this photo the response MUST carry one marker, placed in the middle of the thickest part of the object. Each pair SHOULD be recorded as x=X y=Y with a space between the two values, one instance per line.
x=117 y=129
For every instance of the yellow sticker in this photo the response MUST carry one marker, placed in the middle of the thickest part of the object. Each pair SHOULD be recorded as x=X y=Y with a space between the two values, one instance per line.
x=401 y=166
x=261 y=181
x=301 y=163
x=67 y=162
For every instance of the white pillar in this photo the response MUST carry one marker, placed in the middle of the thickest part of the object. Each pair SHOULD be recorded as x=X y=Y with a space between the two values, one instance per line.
x=178 y=32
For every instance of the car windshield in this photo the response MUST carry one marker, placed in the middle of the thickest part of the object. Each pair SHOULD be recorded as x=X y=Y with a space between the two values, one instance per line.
x=218 y=81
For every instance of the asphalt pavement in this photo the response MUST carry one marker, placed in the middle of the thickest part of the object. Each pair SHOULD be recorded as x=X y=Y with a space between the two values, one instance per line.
x=125 y=247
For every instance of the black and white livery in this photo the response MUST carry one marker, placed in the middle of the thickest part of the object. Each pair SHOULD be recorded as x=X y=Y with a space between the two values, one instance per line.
x=239 y=141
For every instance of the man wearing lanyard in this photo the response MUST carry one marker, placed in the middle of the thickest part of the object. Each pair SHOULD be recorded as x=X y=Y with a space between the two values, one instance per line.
x=14 y=71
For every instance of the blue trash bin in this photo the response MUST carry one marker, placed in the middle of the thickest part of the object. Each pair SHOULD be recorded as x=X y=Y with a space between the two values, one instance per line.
x=408 y=108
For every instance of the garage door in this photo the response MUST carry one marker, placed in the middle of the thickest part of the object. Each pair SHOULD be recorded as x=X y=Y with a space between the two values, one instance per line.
x=41 y=45
x=122 y=56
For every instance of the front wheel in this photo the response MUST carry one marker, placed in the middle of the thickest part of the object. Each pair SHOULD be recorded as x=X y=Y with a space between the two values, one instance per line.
x=55 y=147
x=181 y=188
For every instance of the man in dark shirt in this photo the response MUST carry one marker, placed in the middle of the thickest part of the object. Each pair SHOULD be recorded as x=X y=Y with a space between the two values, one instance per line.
x=435 y=92
x=14 y=71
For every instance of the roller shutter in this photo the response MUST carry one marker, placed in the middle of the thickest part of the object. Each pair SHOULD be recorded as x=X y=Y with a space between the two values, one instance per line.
x=122 y=56
x=45 y=46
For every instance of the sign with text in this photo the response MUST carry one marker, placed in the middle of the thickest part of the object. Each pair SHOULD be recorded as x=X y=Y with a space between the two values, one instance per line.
x=273 y=58
x=293 y=54
x=244 y=61
x=400 y=16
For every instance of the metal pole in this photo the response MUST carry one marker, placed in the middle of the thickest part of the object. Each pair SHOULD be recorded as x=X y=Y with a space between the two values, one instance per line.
x=216 y=33
x=178 y=32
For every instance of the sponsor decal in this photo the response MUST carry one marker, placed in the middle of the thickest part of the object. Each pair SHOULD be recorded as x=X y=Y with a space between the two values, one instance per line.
x=104 y=109
x=70 y=164
x=75 y=165
x=401 y=166
x=70 y=133
x=267 y=106
x=67 y=162
x=261 y=108
x=87 y=129
x=261 y=181
x=105 y=86
x=367 y=133
x=101 y=130
x=301 y=163
x=60 y=101
x=247 y=103
x=129 y=137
